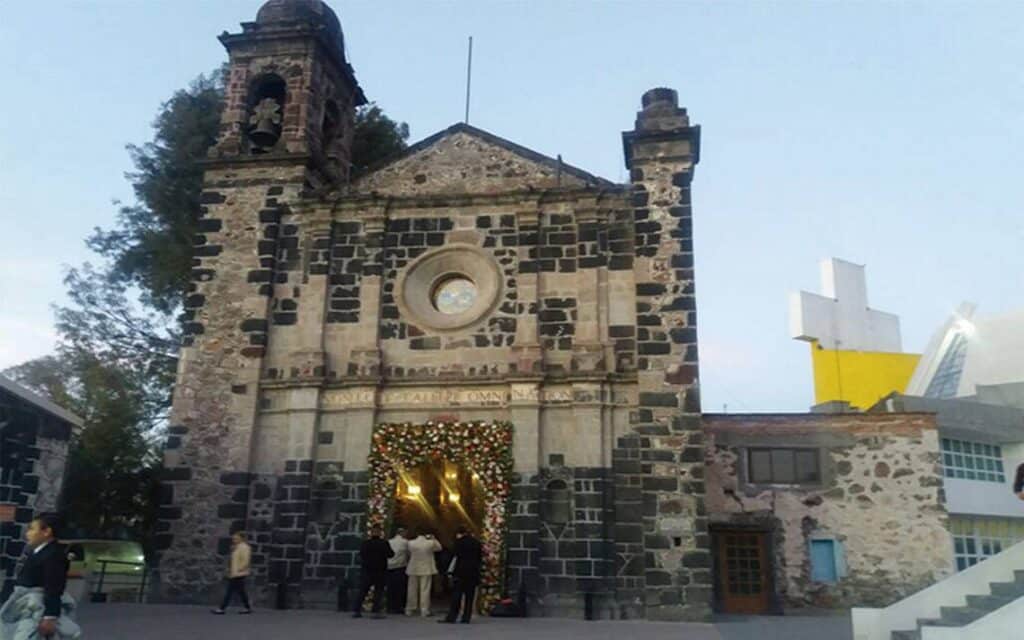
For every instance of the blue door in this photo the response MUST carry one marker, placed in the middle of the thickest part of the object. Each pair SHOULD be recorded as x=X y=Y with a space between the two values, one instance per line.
x=823 y=560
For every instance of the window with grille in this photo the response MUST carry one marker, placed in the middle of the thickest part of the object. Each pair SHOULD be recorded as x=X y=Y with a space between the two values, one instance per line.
x=783 y=466
x=972 y=460
x=975 y=539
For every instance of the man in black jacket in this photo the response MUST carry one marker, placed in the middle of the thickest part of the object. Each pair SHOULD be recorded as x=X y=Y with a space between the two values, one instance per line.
x=46 y=567
x=465 y=576
x=1018 y=482
x=374 y=554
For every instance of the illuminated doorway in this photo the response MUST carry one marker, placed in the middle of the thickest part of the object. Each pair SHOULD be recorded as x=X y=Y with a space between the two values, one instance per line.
x=438 y=497
x=409 y=464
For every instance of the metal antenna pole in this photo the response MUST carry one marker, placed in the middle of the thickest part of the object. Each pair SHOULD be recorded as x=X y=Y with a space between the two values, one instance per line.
x=469 y=76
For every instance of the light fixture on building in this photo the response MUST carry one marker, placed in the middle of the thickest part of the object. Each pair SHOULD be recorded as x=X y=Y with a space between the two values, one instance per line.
x=454 y=498
x=964 y=326
x=415 y=490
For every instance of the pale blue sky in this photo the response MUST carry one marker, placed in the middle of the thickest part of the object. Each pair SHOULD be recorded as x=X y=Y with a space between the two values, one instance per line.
x=884 y=133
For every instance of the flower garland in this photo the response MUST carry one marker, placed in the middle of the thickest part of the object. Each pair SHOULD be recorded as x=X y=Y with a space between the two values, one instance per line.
x=484 y=448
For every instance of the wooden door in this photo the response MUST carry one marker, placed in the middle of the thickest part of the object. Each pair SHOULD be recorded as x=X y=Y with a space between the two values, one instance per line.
x=743 y=571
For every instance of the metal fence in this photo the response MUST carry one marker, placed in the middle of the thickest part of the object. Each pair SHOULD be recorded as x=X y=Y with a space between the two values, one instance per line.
x=119 y=581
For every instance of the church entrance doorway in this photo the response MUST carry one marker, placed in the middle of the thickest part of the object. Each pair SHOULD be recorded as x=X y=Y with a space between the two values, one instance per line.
x=439 y=476
x=439 y=497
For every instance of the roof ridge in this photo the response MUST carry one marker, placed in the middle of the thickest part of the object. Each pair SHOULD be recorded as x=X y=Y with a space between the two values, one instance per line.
x=464 y=127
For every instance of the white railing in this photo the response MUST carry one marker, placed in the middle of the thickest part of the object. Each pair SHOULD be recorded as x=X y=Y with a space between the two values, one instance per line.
x=878 y=624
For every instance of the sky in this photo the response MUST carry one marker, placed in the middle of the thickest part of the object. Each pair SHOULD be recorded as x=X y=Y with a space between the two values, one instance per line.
x=888 y=134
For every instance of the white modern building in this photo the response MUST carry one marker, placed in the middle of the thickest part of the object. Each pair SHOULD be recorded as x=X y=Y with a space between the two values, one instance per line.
x=974 y=356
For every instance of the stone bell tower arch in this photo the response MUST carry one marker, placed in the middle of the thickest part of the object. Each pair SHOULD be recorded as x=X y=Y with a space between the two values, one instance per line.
x=286 y=129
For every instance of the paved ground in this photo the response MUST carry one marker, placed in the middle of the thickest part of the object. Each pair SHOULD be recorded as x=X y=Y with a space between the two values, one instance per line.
x=173 y=622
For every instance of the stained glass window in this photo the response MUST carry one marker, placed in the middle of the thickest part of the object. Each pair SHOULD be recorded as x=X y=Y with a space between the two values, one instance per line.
x=455 y=295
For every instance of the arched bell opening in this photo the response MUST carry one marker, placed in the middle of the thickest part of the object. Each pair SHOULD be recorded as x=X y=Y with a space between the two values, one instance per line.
x=266 y=113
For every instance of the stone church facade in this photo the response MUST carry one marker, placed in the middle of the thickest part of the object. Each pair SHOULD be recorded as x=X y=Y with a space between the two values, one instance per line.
x=468 y=279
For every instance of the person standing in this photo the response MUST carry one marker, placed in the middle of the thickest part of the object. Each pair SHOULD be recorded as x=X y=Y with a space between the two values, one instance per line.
x=421 y=570
x=1018 y=482
x=374 y=554
x=465 y=575
x=38 y=606
x=239 y=568
x=397 y=580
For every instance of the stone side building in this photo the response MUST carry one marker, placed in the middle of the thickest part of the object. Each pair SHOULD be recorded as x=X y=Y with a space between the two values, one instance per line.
x=469 y=279
x=824 y=510
x=34 y=438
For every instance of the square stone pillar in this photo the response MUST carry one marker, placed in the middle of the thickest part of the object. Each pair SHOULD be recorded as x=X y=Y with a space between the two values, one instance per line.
x=662 y=463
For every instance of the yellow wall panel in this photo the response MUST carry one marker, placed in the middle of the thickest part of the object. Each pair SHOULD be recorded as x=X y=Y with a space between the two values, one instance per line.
x=859 y=377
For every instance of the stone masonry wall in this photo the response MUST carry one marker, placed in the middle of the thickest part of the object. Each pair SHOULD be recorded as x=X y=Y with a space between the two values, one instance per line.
x=880 y=498
x=207 y=457
x=663 y=557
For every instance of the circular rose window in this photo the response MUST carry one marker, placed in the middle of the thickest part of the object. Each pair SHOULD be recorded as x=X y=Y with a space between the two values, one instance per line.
x=436 y=292
x=454 y=295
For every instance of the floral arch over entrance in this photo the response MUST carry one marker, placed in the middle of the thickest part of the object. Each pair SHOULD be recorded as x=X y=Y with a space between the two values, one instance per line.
x=485 y=448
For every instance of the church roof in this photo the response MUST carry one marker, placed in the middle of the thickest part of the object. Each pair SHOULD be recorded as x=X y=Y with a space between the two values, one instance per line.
x=491 y=162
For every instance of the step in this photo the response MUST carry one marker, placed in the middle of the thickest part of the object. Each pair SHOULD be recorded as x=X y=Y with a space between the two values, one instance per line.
x=1006 y=589
x=960 y=616
x=935 y=622
x=906 y=635
x=989 y=603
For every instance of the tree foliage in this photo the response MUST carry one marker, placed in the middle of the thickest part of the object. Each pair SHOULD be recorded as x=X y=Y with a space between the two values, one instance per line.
x=151 y=246
x=375 y=138
x=112 y=472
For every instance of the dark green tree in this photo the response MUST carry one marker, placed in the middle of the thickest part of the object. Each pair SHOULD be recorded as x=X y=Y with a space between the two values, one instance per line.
x=113 y=464
x=376 y=138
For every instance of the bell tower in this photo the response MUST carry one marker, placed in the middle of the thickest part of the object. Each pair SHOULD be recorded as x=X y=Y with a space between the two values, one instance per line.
x=286 y=129
x=291 y=95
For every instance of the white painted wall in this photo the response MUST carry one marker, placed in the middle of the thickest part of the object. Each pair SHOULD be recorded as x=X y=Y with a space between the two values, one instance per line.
x=878 y=624
x=979 y=498
x=995 y=352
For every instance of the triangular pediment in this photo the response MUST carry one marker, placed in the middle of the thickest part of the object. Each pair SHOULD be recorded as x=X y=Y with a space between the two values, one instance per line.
x=464 y=159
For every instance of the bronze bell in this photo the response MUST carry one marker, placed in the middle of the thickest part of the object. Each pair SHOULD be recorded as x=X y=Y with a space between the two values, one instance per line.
x=266 y=116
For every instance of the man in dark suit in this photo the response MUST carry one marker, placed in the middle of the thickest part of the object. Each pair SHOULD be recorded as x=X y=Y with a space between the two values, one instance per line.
x=374 y=554
x=465 y=575
x=1018 y=482
x=46 y=567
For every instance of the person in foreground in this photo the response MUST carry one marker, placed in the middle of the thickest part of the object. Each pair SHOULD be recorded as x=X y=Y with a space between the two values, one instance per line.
x=238 y=571
x=374 y=554
x=39 y=608
x=465 y=575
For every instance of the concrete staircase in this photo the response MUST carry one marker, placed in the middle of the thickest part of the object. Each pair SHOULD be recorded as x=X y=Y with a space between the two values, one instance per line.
x=978 y=606
x=983 y=602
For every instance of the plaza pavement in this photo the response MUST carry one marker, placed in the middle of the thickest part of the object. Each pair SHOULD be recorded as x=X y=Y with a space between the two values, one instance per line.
x=175 y=622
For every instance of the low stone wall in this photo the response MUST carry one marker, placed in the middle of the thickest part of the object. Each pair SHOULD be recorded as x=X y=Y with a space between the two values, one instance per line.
x=880 y=497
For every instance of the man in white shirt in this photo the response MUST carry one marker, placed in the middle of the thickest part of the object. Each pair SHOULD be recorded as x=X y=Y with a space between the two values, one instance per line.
x=397 y=581
x=421 y=571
